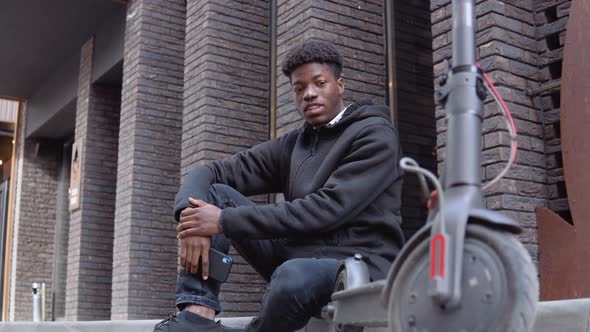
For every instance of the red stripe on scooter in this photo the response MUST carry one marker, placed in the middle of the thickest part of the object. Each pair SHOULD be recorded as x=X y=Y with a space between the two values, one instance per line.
x=437 y=256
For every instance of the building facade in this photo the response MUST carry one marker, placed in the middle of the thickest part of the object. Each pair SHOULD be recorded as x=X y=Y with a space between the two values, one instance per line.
x=131 y=94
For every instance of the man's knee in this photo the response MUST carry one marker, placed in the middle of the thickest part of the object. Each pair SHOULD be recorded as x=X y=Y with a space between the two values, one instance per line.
x=224 y=196
x=221 y=195
x=220 y=189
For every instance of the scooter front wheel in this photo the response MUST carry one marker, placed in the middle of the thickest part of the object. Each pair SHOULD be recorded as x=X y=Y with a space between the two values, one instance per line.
x=499 y=288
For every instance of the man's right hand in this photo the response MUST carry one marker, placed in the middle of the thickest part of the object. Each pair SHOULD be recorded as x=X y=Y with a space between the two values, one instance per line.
x=191 y=249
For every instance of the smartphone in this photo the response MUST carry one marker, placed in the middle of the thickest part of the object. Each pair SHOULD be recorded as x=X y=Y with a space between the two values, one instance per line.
x=219 y=265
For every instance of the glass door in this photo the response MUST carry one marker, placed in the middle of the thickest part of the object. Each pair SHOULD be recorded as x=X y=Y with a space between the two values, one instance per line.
x=3 y=216
x=62 y=223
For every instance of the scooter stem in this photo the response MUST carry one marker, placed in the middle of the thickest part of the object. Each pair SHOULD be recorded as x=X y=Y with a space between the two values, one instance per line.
x=463 y=32
x=463 y=105
x=463 y=102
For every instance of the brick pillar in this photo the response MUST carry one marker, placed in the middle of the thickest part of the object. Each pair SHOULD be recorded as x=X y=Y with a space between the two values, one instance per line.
x=145 y=245
x=90 y=254
x=355 y=27
x=507 y=51
x=35 y=215
x=226 y=104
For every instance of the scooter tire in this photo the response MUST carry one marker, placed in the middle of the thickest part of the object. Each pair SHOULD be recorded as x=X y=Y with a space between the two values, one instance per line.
x=516 y=285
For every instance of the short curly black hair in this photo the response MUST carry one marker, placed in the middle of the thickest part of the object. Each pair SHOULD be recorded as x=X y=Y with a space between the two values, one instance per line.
x=313 y=52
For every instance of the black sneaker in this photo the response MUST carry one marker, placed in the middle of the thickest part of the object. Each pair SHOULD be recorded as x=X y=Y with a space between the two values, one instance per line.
x=226 y=329
x=176 y=323
x=179 y=323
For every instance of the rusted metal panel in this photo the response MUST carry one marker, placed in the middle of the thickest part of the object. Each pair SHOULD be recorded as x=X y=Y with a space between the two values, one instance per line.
x=575 y=113
x=564 y=249
x=556 y=250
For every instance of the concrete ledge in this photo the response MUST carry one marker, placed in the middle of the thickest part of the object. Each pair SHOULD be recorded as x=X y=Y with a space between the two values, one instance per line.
x=552 y=316
x=124 y=325
x=101 y=326
x=94 y=326
x=563 y=316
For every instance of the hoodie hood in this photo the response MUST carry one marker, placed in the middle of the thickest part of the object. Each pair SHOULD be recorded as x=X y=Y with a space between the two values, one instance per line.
x=364 y=109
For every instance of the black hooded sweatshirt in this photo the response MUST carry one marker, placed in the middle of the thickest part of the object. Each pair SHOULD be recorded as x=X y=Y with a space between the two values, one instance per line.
x=341 y=183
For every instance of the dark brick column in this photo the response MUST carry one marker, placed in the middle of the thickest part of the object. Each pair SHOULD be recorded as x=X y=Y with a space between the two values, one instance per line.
x=34 y=224
x=507 y=50
x=226 y=104
x=415 y=105
x=355 y=27
x=90 y=254
x=145 y=245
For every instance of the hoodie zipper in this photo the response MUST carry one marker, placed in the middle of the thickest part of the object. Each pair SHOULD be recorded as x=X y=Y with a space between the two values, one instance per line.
x=316 y=140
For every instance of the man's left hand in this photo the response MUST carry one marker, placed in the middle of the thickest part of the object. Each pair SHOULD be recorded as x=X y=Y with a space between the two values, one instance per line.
x=202 y=220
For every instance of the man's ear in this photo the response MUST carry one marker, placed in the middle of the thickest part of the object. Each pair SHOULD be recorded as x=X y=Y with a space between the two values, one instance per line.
x=340 y=83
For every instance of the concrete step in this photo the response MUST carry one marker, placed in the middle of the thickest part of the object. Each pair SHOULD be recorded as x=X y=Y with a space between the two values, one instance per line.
x=552 y=316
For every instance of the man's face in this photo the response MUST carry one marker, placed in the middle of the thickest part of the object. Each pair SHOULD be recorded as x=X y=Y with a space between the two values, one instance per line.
x=317 y=93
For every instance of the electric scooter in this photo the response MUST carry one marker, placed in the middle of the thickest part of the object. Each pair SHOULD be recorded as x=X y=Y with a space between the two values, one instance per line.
x=464 y=270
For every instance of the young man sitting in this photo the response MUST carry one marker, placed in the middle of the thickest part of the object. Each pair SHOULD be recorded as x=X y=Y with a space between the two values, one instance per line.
x=341 y=182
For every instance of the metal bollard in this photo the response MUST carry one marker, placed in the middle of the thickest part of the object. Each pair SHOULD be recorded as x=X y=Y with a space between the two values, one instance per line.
x=43 y=301
x=38 y=299
x=36 y=303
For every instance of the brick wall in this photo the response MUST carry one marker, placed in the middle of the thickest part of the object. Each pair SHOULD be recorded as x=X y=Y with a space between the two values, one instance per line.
x=36 y=223
x=145 y=244
x=226 y=105
x=507 y=50
x=355 y=27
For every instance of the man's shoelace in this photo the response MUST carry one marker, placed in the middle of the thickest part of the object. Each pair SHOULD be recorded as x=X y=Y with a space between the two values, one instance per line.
x=171 y=318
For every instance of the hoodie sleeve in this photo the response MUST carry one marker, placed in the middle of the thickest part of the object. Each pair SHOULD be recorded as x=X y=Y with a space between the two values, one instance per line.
x=253 y=171
x=365 y=172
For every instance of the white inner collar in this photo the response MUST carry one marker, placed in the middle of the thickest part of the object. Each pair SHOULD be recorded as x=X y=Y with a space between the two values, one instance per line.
x=337 y=118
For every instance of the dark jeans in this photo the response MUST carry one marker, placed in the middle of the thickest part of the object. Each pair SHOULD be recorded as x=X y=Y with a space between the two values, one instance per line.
x=297 y=288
